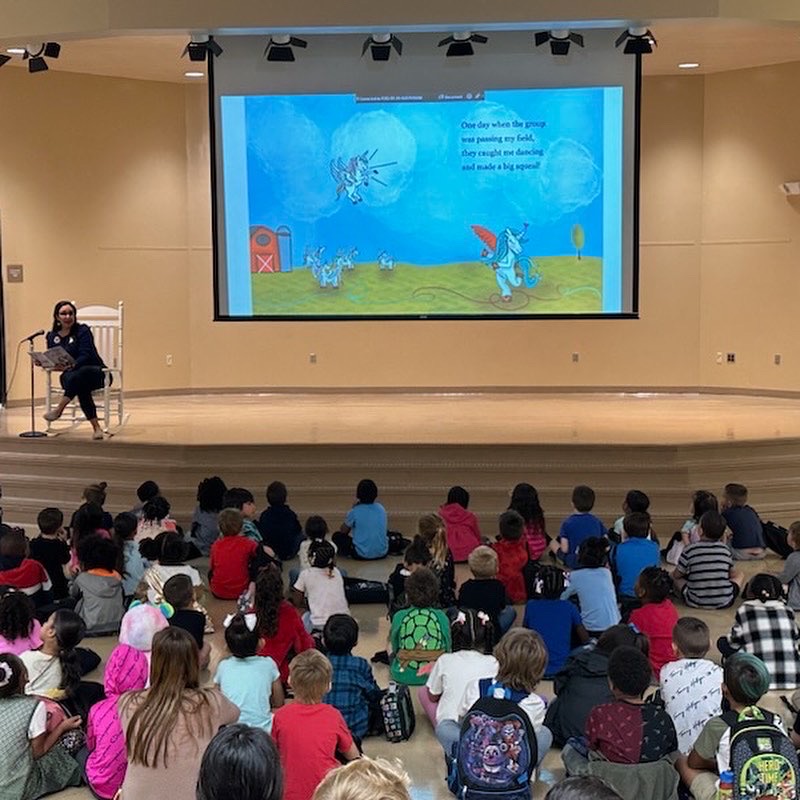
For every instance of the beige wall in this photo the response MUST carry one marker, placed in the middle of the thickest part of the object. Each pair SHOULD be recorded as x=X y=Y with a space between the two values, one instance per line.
x=104 y=196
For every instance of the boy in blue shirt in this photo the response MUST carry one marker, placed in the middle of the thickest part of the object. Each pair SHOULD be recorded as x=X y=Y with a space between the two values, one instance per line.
x=363 y=534
x=579 y=526
x=632 y=556
x=747 y=542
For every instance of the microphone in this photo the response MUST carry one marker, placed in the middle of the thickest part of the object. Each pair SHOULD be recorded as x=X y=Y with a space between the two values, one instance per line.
x=33 y=336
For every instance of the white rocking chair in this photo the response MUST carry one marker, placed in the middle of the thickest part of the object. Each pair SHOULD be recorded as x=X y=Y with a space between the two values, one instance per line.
x=106 y=325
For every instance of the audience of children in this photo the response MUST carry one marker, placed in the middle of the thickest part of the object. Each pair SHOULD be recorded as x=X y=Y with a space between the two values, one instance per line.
x=19 y=628
x=705 y=576
x=364 y=532
x=557 y=621
x=657 y=616
x=23 y=573
x=32 y=764
x=168 y=726
x=321 y=586
x=463 y=532
x=579 y=526
x=593 y=586
x=244 y=502
x=790 y=574
x=635 y=502
x=484 y=592
x=353 y=690
x=512 y=555
x=691 y=686
x=104 y=759
x=472 y=636
x=232 y=558
x=51 y=550
x=308 y=733
x=582 y=684
x=180 y=594
x=204 y=526
x=279 y=525
x=766 y=627
x=279 y=625
x=629 y=558
x=420 y=633
x=525 y=501
x=745 y=680
x=433 y=534
x=98 y=586
x=626 y=730
x=251 y=682
x=747 y=537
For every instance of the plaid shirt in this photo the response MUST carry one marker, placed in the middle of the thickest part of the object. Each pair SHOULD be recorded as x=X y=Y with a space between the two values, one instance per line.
x=768 y=630
x=353 y=689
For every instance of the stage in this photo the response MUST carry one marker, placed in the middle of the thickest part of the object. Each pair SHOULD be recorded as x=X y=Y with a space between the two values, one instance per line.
x=417 y=444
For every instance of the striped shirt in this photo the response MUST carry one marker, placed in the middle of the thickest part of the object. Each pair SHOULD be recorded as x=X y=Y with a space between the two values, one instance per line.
x=707 y=568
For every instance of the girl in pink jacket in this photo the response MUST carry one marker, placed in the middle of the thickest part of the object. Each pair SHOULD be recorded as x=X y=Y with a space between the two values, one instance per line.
x=463 y=533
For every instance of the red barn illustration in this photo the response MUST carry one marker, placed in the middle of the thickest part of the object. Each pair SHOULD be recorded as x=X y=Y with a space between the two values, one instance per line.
x=265 y=254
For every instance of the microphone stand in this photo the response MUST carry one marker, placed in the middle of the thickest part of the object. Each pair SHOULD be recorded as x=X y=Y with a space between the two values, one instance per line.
x=32 y=433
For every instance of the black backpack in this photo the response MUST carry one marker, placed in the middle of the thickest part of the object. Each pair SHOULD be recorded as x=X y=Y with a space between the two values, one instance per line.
x=496 y=752
x=763 y=759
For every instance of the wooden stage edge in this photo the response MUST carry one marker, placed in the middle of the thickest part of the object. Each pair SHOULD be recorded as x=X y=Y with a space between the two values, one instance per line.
x=416 y=445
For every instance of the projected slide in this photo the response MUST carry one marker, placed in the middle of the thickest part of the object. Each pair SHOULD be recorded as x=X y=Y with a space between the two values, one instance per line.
x=496 y=202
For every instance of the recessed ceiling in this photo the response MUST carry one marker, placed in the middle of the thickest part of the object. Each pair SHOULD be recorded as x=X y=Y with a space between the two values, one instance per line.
x=717 y=45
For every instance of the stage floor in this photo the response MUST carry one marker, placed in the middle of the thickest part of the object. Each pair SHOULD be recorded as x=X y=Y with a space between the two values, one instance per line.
x=443 y=418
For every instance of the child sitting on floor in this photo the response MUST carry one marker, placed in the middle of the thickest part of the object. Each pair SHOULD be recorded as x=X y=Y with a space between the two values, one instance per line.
x=322 y=587
x=133 y=564
x=635 y=502
x=766 y=627
x=51 y=550
x=747 y=536
x=353 y=689
x=512 y=555
x=155 y=519
x=279 y=525
x=579 y=526
x=364 y=532
x=421 y=633
x=790 y=575
x=632 y=556
x=23 y=573
x=98 y=587
x=691 y=685
x=525 y=501
x=432 y=532
x=180 y=594
x=627 y=730
x=483 y=592
x=166 y=554
x=232 y=557
x=19 y=628
x=243 y=501
x=310 y=734
x=657 y=616
x=690 y=533
x=463 y=532
x=416 y=555
x=557 y=621
x=593 y=585
x=249 y=681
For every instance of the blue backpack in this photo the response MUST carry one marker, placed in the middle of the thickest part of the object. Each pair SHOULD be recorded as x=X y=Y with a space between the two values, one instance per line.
x=496 y=752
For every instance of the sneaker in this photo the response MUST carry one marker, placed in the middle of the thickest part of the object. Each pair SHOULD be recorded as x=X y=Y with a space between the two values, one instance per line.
x=98 y=434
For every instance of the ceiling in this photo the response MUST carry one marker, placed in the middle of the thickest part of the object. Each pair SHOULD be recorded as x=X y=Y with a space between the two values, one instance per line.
x=718 y=45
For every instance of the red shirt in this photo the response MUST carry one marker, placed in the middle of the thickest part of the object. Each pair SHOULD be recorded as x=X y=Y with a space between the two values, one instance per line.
x=229 y=566
x=290 y=639
x=307 y=738
x=511 y=558
x=657 y=620
x=29 y=577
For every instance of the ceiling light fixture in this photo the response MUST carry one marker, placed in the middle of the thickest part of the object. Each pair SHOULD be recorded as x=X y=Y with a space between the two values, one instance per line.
x=200 y=45
x=560 y=40
x=16 y=51
x=689 y=65
x=35 y=54
x=638 y=41
x=194 y=74
x=460 y=43
x=279 y=48
x=380 y=45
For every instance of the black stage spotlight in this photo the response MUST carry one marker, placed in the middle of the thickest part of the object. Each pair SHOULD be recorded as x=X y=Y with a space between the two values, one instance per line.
x=4 y=59
x=199 y=47
x=381 y=45
x=638 y=41
x=560 y=40
x=35 y=55
x=279 y=48
x=460 y=43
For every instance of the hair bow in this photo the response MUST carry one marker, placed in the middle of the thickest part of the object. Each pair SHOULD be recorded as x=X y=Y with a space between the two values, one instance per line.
x=6 y=673
x=461 y=618
x=164 y=607
x=483 y=617
x=249 y=619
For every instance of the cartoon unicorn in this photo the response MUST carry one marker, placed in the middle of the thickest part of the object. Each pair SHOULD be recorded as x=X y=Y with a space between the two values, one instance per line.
x=345 y=259
x=505 y=255
x=385 y=260
x=355 y=173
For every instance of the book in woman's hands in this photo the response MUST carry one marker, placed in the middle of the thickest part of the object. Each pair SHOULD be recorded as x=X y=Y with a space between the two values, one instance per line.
x=53 y=358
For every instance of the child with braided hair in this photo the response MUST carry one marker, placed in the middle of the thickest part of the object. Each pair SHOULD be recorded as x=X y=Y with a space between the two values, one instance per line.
x=657 y=616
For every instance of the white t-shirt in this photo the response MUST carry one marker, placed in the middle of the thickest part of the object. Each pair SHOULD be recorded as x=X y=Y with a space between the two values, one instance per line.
x=532 y=705
x=452 y=673
x=38 y=724
x=302 y=553
x=324 y=591
x=44 y=672
x=692 y=692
